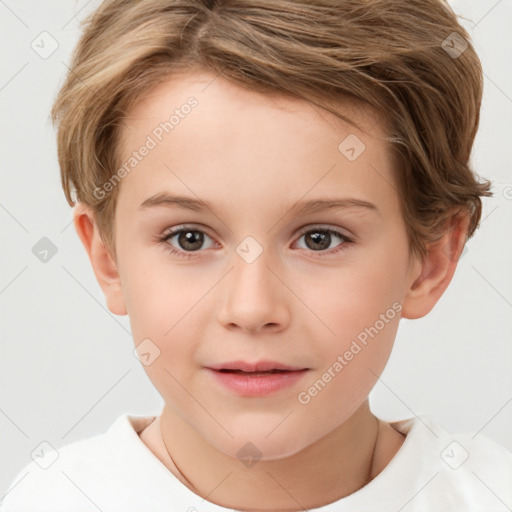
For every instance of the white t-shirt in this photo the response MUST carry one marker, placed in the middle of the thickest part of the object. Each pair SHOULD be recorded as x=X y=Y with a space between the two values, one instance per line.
x=433 y=471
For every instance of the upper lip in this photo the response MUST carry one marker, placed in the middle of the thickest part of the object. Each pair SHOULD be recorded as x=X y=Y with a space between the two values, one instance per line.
x=259 y=366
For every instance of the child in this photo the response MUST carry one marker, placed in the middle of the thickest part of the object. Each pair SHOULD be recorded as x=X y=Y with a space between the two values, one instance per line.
x=266 y=129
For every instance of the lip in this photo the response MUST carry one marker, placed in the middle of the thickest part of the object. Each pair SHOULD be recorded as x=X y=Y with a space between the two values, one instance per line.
x=257 y=384
x=259 y=366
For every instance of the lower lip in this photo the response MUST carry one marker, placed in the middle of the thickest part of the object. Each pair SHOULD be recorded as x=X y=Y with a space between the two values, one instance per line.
x=258 y=385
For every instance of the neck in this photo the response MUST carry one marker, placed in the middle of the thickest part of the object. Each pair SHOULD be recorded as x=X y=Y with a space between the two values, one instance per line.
x=327 y=470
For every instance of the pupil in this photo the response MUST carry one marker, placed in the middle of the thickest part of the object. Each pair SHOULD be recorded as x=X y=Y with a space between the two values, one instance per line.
x=187 y=239
x=318 y=237
x=193 y=240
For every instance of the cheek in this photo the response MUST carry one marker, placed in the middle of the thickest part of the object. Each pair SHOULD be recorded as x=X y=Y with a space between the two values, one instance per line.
x=162 y=306
x=157 y=294
x=355 y=297
x=166 y=312
x=363 y=312
x=361 y=305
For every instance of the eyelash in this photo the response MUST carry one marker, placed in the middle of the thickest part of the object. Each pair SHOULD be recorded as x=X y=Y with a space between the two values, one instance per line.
x=184 y=254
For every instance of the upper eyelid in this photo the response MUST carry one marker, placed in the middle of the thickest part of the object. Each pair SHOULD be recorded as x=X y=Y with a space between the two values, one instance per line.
x=170 y=232
x=319 y=227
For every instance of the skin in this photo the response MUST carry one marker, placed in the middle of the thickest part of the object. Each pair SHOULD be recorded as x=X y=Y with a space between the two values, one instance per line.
x=253 y=157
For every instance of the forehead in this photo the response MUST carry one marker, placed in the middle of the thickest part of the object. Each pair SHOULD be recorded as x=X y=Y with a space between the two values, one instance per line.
x=214 y=93
x=252 y=142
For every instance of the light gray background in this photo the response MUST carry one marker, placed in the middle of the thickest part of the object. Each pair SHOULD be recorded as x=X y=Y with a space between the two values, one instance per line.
x=67 y=366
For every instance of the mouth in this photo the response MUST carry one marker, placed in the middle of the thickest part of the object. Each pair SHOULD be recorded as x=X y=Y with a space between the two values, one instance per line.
x=254 y=374
x=259 y=367
x=257 y=382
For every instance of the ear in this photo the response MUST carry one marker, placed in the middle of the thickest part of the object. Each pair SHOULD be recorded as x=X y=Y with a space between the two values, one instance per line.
x=436 y=268
x=102 y=262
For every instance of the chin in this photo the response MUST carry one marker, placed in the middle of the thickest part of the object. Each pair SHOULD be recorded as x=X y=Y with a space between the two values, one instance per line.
x=257 y=441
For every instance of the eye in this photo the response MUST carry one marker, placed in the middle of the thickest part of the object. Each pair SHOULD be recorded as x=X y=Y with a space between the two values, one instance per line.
x=190 y=239
x=318 y=239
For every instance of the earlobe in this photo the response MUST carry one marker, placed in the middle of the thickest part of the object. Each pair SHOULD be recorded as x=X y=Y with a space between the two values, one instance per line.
x=103 y=264
x=431 y=276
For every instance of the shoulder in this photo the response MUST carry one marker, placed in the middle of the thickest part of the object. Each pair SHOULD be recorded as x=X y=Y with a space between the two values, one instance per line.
x=72 y=475
x=457 y=449
x=462 y=468
x=486 y=460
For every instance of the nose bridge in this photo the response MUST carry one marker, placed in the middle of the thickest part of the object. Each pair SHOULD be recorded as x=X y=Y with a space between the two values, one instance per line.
x=251 y=295
x=252 y=262
x=251 y=269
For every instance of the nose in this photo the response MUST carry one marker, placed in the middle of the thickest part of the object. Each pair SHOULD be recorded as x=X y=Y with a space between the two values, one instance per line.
x=253 y=297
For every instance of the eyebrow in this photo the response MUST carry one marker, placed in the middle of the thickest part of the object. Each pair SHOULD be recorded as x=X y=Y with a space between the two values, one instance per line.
x=301 y=207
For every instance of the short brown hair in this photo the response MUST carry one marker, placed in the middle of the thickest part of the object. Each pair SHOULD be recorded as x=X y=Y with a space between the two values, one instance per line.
x=394 y=55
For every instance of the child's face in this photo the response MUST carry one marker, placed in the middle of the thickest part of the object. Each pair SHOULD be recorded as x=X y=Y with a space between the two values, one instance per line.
x=299 y=302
